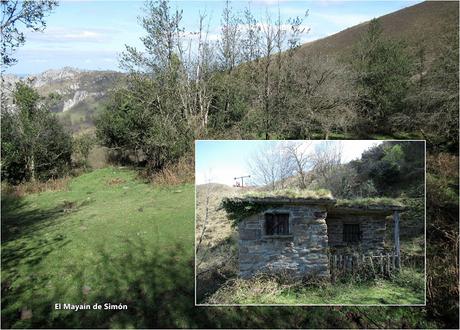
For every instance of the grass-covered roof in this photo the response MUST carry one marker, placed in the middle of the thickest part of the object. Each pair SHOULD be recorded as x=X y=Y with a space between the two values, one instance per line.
x=370 y=202
x=290 y=194
x=254 y=202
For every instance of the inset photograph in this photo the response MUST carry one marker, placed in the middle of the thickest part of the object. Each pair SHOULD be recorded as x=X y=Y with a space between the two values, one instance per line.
x=310 y=222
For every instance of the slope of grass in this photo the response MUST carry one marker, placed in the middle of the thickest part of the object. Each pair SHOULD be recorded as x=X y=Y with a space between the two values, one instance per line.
x=108 y=238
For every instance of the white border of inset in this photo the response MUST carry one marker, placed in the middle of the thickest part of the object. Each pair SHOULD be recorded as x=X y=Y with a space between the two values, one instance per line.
x=317 y=305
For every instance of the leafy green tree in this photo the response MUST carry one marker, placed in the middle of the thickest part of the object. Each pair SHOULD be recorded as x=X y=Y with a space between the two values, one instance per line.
x=153 y=116
x=34 y=142
x=382 y=70
x=17 y=16
x=136 y=121
x=394 y=167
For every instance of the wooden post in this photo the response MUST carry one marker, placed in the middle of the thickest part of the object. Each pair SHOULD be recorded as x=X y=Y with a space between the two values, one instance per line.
x=382 y=260
x=388 y=264
x=396 y=238
x=372 y=265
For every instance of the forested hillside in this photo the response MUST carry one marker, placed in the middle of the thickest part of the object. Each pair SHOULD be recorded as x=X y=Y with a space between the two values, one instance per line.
x=260 y=83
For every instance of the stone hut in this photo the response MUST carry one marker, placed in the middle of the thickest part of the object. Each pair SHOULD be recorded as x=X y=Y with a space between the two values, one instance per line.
x=296 y=235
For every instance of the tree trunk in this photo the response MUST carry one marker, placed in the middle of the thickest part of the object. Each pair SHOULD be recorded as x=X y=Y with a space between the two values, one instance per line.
x=31 y=163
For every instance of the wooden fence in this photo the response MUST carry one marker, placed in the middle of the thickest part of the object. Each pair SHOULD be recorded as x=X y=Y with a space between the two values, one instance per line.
x=383 y=264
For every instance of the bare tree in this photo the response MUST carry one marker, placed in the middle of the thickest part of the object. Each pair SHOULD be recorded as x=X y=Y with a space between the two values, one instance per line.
x=300 y=158
x=271 y=166
x=319 y=97
x=327 y=156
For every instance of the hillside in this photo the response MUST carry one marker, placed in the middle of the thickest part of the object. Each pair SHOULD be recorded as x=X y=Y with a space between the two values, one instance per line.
x=80 y=93
x=423 y=22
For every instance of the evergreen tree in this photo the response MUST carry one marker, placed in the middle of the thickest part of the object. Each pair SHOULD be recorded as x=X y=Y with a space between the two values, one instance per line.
x=382 y=71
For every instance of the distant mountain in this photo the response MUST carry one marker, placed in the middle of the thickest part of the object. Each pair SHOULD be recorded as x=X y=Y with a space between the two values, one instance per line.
x=422 y=23
x=81 y=93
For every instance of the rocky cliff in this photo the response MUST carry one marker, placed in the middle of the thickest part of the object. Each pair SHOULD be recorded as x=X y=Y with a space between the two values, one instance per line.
x=72 y=86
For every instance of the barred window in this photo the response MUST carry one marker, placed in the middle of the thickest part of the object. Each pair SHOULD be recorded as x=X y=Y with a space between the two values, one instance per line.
x=351 y=233
x=276 y=224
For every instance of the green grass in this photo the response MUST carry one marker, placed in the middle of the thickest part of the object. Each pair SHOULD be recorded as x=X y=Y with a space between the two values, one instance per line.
x=372 y=201
x=290 y=193
x=109 y=238
x=405 y=288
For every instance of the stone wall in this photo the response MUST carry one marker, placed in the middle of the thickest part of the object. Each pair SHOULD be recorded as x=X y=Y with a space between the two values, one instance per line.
x=372 y=229
x=302 y=253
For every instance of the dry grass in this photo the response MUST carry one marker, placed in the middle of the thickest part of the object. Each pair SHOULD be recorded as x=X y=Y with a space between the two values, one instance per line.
x=234 y=291
x=115 y=181
x=443 y=164
x=181 y=172
x=28 y=188
x=215 y=228
x=216 y=249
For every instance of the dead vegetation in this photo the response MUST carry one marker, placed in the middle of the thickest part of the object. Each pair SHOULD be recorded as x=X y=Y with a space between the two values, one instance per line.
x=216 y=251
x=180 y=172
x=30 y=187
x=115 y=181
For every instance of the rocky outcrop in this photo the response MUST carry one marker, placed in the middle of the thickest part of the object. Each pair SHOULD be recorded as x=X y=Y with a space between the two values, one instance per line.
x=72 y=85
x=77 y=97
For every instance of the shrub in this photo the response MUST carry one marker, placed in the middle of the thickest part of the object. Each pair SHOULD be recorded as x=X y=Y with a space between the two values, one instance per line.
x=174 y=173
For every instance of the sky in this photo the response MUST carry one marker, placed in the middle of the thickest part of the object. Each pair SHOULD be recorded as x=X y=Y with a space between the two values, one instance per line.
x=91 y=34
x=222 y=161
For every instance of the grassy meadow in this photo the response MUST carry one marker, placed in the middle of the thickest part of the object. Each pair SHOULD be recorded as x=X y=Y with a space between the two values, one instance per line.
x=106 y=237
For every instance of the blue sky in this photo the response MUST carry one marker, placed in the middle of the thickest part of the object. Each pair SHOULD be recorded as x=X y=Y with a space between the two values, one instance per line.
x=91 y=34
x=222 y=161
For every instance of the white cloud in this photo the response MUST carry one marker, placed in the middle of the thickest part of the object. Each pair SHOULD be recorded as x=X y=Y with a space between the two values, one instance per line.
x=69 y=35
